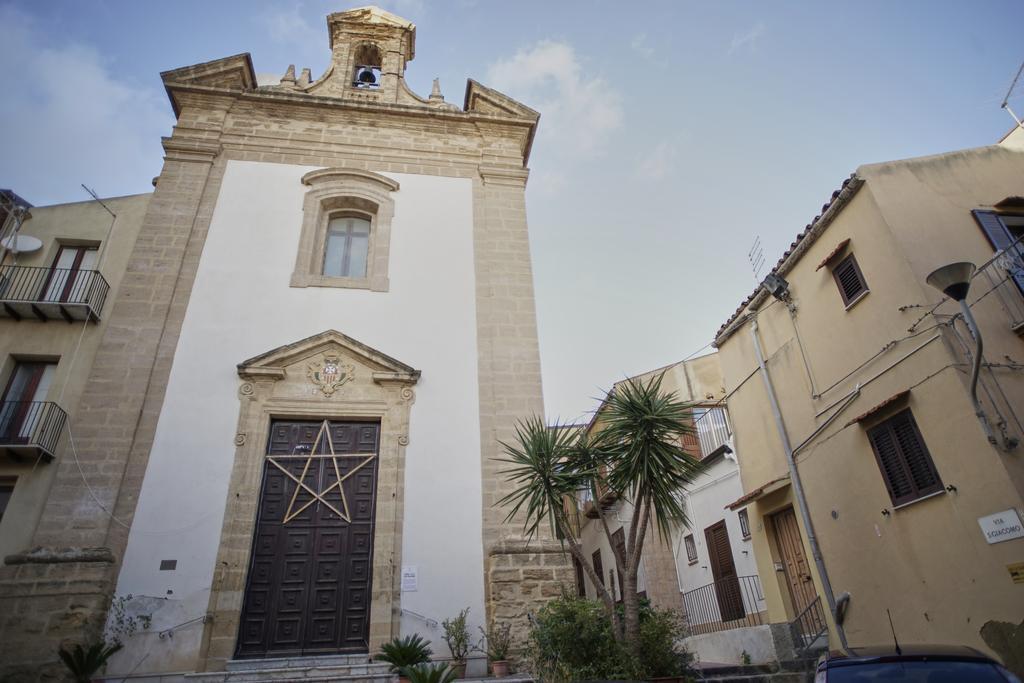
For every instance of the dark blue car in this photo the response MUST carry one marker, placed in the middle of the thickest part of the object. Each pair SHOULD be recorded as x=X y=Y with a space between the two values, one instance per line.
x=911 y=663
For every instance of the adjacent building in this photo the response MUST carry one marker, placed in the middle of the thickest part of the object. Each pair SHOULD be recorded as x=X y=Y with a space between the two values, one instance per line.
x=707 y=571
x=287 y=442
x=915 y=495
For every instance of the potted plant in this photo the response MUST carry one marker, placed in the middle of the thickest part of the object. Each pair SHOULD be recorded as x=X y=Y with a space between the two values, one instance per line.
x=498 y=641
x=456 y=636
x=85 y=662
x=401 y=653
x=427 y=673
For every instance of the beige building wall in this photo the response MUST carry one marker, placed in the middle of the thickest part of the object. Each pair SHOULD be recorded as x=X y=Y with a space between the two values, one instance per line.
x=927 y=561
x=71 y=346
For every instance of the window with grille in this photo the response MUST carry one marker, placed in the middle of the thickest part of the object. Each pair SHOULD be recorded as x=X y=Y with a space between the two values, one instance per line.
x=691 y=549
x=906 y=465
x=744 y=523
x=850 y=280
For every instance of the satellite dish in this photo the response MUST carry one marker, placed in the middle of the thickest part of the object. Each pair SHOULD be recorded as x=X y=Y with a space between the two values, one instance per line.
x=22 y=244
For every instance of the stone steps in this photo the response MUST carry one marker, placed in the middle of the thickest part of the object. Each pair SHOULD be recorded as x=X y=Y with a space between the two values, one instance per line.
x=799 y=671
x=345 y=668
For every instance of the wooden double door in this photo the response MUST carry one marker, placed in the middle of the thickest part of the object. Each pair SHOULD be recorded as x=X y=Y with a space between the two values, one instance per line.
x=308 y=587
x=794 y=561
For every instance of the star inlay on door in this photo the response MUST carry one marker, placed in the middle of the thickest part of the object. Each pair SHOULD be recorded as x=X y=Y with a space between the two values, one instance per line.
x=327 y=493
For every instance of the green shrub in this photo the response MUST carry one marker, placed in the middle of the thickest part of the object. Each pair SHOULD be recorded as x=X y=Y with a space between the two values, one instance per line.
x=407 y=651
x=84 y=662
x=571 y=639
x=456 y=635
x=426 y=673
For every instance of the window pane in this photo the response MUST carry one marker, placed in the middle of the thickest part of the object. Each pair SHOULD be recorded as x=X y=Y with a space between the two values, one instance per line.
x=360 y=226
x=334 y=253
x=357 y=258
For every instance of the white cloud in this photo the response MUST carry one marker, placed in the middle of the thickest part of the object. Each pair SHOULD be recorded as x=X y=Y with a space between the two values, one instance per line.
x=661 y=161
x=642 y=46
x=68 y=119
x=286 y=25
x=578 y=113
x=748 y=38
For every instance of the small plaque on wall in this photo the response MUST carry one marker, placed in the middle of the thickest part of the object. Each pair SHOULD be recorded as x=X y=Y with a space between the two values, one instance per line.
x=410 y=579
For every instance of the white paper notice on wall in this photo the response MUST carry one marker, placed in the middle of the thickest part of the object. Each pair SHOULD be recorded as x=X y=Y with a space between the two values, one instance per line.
x=1002 y=526
x=410 y=578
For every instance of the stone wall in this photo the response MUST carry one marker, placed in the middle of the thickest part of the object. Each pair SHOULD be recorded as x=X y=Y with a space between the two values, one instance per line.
x=521 y=577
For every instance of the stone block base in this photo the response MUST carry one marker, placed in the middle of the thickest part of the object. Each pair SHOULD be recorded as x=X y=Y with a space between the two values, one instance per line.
x=520 y=578
x=48 y=600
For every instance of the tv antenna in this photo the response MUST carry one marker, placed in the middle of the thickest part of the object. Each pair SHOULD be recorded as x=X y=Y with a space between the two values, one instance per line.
x=1009 y=93
x=756 y=258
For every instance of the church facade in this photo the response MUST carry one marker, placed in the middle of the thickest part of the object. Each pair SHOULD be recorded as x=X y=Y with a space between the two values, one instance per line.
x=331 y=330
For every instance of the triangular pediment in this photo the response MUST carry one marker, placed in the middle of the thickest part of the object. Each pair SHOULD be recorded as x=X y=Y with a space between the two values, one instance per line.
x=273 y=362
x=480 y=98
x=229 y=73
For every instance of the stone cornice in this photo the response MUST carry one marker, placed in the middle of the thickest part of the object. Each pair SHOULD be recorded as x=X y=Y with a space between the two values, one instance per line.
x=503 y=124
x=186 y=149
x=325 y=175
x=499 y=175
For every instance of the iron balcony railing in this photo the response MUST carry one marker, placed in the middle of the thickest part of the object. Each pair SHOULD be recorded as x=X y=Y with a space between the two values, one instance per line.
x=1003 y=276
x=31 y=426
x=52 y=293
x=712 y=429
x=809 y=629
x=733 y=602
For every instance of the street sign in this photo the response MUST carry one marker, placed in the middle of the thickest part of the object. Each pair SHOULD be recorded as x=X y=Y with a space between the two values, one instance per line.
x=1002 y=526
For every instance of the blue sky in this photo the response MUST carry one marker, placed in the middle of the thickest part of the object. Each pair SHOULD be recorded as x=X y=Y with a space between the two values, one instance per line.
x=672 y=134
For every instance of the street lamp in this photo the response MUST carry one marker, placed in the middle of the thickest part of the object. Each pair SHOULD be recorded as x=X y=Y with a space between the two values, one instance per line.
x=954 y=280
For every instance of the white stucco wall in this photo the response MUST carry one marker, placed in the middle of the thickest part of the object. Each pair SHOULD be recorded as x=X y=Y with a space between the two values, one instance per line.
x=241 y=306
x=706 y=500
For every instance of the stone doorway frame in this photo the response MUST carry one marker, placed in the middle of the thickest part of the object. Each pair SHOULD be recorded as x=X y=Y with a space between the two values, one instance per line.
x=276 y=385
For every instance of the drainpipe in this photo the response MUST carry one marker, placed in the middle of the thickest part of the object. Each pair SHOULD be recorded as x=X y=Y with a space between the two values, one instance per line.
x=798 y=489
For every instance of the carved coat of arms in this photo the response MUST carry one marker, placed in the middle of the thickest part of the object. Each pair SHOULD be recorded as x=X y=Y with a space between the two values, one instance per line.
x=329 y=373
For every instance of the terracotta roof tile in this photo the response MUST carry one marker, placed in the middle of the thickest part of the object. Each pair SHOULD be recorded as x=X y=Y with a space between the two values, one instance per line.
x=892 y=399
x=747 y=497
x=832 y=254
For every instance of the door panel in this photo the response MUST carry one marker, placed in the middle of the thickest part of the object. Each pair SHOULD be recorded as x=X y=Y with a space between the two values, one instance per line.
x=309 y=578
x=794 y=561
x=723 y=568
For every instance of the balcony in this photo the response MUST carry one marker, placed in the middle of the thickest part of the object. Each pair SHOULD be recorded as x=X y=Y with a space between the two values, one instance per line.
x=30 y=429
x=52 y=293
x=1002 y=276
x=712 y=430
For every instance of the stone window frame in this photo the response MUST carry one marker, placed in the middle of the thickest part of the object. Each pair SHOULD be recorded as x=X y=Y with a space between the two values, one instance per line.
x=342 y=191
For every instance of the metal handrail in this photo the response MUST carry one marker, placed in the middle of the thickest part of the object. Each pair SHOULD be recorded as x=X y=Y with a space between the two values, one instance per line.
x=733 y=602
x=36 y=284
x=31 y=423
x=809 y=626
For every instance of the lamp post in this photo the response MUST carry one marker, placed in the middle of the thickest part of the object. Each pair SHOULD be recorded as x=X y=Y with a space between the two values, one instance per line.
x=954 y=280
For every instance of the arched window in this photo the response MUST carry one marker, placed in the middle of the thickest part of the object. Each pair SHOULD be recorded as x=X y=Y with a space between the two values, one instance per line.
x=347 y=246
x=346 y=230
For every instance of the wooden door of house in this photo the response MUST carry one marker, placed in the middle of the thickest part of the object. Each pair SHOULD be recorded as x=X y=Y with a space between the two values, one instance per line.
x=794 y=560
x=723 y=569
x=308 y=588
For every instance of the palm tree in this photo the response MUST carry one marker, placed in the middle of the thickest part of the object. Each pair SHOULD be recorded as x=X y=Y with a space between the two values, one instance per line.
x=635 y=453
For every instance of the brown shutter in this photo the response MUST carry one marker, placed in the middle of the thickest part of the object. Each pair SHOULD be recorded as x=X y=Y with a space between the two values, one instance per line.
x=690 y=440
x=598 y=567
x=903 y=458
x=849 y=279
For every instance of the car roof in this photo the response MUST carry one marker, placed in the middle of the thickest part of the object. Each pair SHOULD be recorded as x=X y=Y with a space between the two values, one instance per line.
x=856 y=655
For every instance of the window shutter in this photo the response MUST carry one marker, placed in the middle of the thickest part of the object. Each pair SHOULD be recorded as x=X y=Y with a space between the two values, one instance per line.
x=849 y=279
x=993 y=229
x=922 y=470
x=897 y=480
x=903 y=458
x=598 y=566
x=690 y=440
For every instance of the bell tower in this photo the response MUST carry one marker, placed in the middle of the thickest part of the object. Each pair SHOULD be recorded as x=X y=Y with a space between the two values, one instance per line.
x=369 y=50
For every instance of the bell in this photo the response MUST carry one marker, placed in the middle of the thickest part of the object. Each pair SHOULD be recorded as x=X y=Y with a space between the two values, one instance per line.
x=366 y=77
